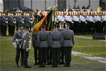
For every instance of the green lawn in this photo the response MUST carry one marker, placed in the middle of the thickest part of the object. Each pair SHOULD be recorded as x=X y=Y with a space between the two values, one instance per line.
x=94 y=47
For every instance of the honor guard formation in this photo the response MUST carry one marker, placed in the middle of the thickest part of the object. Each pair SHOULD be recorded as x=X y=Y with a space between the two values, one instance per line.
x=53 y=47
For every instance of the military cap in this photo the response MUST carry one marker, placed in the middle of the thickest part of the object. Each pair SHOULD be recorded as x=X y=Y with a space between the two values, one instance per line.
x=61 y=23
x=20 y=25
x=27 y=26
x=42 y=26
x=68 y=24
x=55 y=25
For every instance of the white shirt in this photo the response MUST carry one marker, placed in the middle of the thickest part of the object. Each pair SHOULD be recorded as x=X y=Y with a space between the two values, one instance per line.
x=75 y=18
x=88 y=18
x=82 y=18
x=104 y=17
x=97 y=18
x=68 y=18
x=91 y=18
x=60 y=18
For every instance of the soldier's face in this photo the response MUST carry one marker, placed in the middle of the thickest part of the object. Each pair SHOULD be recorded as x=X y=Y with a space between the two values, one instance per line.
x=21 y=28
x=66 y=26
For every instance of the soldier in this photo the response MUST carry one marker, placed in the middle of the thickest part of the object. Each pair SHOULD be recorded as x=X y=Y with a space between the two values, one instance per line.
x=28 y=19
x=98 y=24
x=43 y=40
x=69 y=19
x=76 y=22
x=68 y=36
x=35 y=45
x=104 y=21
x=4 y=24
x=91 y=23
x=11 y=24
x=60 y=18
x=0 y=22
x=83 y=23
x=18 y=45
x=26 y=45
x=88 y=23
x=19 y=19
x=55 y=43
x=60 y=29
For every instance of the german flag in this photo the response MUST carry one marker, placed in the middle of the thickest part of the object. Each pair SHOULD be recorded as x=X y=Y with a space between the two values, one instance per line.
x=47 y=20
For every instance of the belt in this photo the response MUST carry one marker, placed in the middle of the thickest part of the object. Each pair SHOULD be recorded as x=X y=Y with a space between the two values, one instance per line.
x=67 y=39
x=19 y=40
x=55 y=39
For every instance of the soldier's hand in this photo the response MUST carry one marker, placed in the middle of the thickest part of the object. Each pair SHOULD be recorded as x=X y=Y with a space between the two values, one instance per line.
x=27 y=49
x=14 y=43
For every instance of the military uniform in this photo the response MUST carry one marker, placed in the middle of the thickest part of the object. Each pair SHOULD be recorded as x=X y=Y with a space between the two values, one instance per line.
x=55 y=43
x=82 y=24
x=104 y=23
x=69 y=20
x=18 y=44
x=76 y=24
x=43 y=40
x=11 y=24
x=4 y=23
x=0 y=22
x=26 y=46
x=61 y=49
x=98 y=24
x=68 y=43
x=35 y=45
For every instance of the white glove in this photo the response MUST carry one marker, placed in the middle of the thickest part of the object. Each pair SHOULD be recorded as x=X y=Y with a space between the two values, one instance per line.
x=14 y=43
x=27 y=49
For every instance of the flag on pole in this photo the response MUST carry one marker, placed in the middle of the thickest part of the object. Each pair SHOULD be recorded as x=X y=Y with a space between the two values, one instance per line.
x=47 y=19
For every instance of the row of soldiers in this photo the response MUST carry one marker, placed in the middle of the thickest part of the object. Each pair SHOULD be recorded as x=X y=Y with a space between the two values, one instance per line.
x=9 y=22
x=83 y=22
x=49 y=47
x=80 y=22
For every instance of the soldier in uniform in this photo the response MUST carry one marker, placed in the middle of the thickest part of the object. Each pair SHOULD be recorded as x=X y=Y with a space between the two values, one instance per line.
x=19 y=19
x=11 y=24
x=60 y=18
x=55 y=43
x=76 y=22
x=69 y=19
x=98 y=24
x=0 y=22
x=83 y=23
x=60 y=29
x=68 y=43
x=18 y=45
x=35 y=46
x=26 y=45
x=28 y=19
x=43 y=40
x=104 y=21
x=4 y=23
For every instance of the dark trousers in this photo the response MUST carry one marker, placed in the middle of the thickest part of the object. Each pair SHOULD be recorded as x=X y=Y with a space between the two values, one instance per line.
x=76 y=27
x=49 y=55
x=42 y=56
x=99 y=27
x=36 y=55
x=104 y=26
x=3 y=29
x=18 y=52
x=61 y=55
x=26 y=54
x=55 y=56
x=67 y=51
x=11 y=29
x=83 y=28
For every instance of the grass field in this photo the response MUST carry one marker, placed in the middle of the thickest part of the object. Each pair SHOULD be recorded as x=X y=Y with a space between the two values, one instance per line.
x=93 y=47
